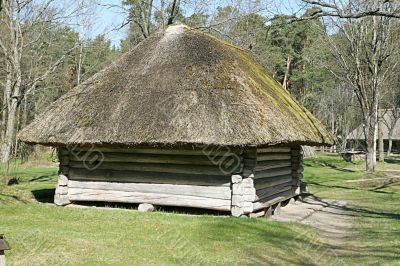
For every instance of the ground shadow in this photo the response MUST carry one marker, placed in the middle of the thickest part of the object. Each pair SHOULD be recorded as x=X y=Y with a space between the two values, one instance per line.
x=332 y=166
x=42 y=178
x=166 y=209
x=357 y=211
x=392 y=160
x=44 y=195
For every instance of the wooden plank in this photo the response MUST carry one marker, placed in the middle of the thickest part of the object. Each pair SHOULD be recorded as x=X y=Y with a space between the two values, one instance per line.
x=266 y=165
x=163 y=158
x=272 y=149
x=273 y=172
x=272 y=200
x=207 y=150
x=79 y=194
x=170 y=189
x=273 y=156
x=148 y=177
x=271 y=181
x=165 y=168
x=269 y=191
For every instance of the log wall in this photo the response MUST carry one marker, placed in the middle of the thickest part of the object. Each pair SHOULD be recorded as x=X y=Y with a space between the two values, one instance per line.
x=270 y=176
x=240 y=181
x=188 y=178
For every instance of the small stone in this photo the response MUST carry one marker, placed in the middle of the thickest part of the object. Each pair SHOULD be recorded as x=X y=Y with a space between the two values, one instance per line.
x=146 y=207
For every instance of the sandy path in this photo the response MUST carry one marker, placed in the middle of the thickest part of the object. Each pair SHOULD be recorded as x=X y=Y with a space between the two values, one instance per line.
x=330 y=219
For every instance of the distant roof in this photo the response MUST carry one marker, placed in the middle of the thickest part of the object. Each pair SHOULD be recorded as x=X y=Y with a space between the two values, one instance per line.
x=179 y=86
x=358 y=133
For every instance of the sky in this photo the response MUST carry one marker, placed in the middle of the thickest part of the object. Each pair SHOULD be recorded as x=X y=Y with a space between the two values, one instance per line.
x=108 y=18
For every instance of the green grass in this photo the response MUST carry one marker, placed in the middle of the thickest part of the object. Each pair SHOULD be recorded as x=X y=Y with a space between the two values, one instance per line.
x=373 y=199
x=43 y=234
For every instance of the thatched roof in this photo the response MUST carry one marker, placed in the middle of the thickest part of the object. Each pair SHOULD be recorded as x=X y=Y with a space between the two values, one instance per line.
x=180 y=86
x=358 y=133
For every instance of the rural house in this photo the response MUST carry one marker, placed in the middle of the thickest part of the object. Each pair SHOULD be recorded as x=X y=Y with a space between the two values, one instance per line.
x=390 y=123
x=183 y=119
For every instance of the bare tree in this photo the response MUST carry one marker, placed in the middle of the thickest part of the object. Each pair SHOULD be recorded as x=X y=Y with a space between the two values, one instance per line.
x=350 y=9
x=19 y=18
x=364 y=49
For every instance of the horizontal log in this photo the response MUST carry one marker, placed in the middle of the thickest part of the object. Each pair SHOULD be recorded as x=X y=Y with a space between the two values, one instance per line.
x=148 y=177
x=170 y=189
x=269 y=191
x=271 y=200
x=271 y=149
x=273 y=156
x=271 y=181
x=226 y=161
x=79 y=194
x=265 y=165
x=165 y=168
x=207 y=151
x=273 y=172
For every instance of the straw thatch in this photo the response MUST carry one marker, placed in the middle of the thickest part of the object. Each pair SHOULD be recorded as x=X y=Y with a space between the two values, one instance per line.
x=358 y=133
x=180 y=86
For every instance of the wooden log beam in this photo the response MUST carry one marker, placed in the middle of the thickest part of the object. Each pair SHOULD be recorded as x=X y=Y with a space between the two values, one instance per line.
x=273 y=149
x=79 y=194
x=164 y=168
x=282 y=196
x=266 y=193
x=167 y=189
x=273 y=172
x=148 y=177
x=273 y=156
x=271 y=181
x=162 y=159
x=207 y=151
x=267 y=165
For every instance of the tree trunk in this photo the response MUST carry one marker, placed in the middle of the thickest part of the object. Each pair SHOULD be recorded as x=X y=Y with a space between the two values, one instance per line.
x=6 y=102
x=285 y=82
x=6 y=146
x=381 y=151
x=174 y=8
x=78 y=76
x=370 y=132
x=7 y=142
x=389 y=150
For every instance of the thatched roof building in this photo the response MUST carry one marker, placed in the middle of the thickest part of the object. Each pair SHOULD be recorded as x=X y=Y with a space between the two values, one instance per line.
x=356 y=139
x=174 y=93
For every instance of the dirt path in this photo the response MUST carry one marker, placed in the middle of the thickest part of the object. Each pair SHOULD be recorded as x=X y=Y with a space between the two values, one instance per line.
x=330 y=219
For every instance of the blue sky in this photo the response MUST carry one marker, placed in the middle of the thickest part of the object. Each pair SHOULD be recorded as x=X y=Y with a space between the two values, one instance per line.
x=106 y=20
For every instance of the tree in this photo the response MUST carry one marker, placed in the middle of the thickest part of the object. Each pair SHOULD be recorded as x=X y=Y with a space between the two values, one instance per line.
x=27 y=28
x=364 y=49
x=391 y=106
x=349 y=9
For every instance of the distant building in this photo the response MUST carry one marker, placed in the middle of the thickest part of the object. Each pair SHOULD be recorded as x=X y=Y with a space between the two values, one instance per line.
x=356 y=139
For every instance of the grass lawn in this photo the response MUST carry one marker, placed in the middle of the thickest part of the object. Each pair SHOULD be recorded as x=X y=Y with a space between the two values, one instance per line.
x=43 y=234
